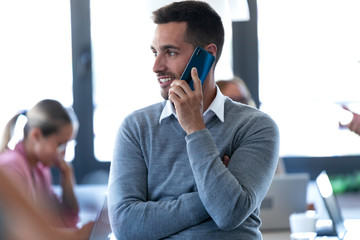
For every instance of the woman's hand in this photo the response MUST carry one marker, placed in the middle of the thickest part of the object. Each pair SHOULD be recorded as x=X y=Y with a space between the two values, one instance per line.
x=82 y=233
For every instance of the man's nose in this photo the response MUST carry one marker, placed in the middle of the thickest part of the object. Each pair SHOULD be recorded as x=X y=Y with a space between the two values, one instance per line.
x=159 y=64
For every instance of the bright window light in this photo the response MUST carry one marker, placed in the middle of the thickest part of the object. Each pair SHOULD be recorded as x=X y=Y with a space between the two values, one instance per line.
x=35 y=55
x=309 y=66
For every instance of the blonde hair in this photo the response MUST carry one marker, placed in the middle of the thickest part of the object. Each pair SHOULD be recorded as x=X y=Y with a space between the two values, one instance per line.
x=48 y=115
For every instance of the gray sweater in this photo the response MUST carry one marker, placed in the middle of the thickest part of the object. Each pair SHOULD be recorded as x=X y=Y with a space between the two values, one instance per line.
x=166 y=184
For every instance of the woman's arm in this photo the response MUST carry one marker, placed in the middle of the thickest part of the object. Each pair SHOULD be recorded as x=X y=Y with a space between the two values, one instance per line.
x=24 y=220
x=67 y=183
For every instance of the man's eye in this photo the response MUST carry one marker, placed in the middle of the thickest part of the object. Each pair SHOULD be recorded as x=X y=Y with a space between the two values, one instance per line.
x=171 y=53
x=155 y=54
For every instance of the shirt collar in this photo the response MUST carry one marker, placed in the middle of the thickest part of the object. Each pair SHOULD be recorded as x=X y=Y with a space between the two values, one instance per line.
x=215 y=108
x=167 y=111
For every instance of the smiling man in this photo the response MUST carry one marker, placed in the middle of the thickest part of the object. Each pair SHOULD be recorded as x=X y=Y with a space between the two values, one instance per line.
x=168 y=178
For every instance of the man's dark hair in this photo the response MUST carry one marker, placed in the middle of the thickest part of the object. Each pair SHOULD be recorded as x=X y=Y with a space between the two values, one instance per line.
x=204 y=25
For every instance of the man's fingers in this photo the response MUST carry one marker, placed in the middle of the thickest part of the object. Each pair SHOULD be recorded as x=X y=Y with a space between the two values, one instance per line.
x=196 y=79
x=226 y=160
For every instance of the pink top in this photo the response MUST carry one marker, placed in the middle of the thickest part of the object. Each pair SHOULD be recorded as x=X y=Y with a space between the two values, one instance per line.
x=37 y=188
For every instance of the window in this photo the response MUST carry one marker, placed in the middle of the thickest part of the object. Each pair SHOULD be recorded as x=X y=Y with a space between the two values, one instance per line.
x=309 y=65
x=121 y=35
x=35 y=59
x=122 y=76
x=46 y=52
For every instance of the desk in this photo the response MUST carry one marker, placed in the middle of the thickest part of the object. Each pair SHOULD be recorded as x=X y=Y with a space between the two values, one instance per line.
x=285 y=235
x=90 y=198
x=276 y=235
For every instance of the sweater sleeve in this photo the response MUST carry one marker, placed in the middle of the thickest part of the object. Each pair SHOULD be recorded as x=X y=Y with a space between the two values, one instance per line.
x=132 y=214
x=230 y=194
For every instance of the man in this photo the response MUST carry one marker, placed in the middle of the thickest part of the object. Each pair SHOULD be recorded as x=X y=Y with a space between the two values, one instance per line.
x=167 y=178
x=237 y=90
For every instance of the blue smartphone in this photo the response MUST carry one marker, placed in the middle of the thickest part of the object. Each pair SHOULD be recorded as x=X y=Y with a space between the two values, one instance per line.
x=203 y=61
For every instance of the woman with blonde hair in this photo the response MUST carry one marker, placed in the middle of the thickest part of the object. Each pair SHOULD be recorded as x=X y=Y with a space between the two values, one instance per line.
x=48 y=128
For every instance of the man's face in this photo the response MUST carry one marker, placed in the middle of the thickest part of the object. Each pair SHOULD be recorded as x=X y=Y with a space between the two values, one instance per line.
x=171 y=54
x=236 y=92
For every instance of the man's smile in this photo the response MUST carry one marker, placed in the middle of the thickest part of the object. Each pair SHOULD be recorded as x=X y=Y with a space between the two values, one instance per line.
x=164 y=80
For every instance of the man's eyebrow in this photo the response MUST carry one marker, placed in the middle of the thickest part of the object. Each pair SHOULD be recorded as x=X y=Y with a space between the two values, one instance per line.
x=165 y=47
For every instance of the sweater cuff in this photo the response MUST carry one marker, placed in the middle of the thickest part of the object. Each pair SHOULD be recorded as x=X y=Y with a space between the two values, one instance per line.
x=200 y=143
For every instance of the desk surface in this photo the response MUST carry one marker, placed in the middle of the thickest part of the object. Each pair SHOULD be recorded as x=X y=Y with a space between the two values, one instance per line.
x=285 y=235
x=276 y=235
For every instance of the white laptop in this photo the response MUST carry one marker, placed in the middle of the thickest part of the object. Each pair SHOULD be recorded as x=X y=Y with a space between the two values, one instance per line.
x=286 y=195
x=347 y=229
x=101 y=229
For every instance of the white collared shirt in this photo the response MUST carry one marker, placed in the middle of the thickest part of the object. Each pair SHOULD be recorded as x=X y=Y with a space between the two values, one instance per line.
x=215 y=108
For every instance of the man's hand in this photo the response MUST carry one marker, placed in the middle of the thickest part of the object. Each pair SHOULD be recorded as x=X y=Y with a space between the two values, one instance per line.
x=188 y=104
x=226 y=160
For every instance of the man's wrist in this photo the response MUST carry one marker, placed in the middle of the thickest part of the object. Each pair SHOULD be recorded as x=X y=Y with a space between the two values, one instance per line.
x=195 y=129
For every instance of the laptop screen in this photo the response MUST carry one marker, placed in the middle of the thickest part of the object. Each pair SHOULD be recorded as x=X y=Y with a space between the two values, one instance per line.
x=326 y=191
x=286 y=195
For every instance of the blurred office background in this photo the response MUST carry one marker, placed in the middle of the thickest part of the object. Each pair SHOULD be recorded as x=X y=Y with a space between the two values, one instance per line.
x=299 y=58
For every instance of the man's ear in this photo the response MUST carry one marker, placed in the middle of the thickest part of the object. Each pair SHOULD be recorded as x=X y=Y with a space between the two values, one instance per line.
x=211 y=48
